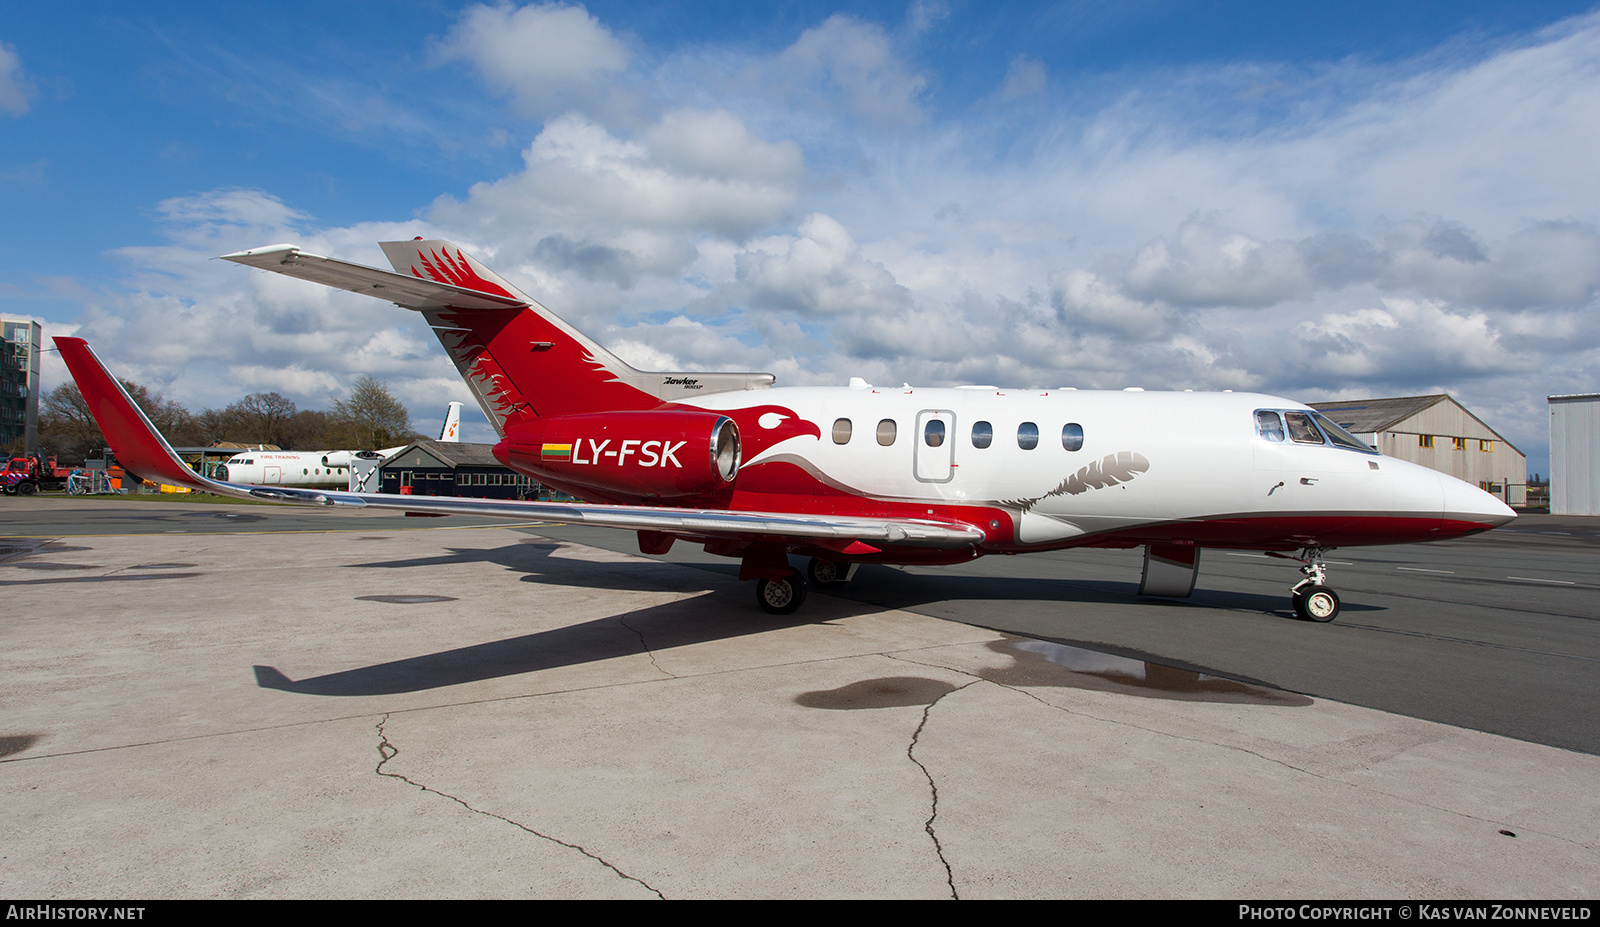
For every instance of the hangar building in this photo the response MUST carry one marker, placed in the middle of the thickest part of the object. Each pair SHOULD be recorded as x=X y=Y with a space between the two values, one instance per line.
x=1575 y=454
x=1437 y=432
x=447 y=468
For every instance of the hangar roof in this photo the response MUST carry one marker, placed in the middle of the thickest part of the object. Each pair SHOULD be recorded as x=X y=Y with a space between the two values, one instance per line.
x=1369 y=415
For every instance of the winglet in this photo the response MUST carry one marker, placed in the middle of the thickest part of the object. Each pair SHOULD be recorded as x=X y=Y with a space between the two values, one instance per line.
x=138 y=445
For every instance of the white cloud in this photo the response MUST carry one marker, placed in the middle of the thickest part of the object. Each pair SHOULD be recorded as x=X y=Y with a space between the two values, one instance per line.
x=15 y=89
x=856 y=59
x=1085 y=302
x=579 y=176
x=822 y=272
x=543 y=55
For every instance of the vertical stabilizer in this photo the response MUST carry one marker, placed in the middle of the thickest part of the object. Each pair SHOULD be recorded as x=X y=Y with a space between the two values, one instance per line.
x=528 y=363
x=451 y=432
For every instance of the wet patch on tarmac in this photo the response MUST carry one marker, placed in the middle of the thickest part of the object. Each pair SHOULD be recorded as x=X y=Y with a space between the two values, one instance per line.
x=17 y=548
x=16 y=743
x=886 y=692
x=374 y=537
x=162 y=566
x=406 y=599
x=112 y=578
x=48 y=565
x=1046 y=663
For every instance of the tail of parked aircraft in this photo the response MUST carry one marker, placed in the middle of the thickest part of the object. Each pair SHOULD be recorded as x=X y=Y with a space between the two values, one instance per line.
x=451 y=432
x=521 y=360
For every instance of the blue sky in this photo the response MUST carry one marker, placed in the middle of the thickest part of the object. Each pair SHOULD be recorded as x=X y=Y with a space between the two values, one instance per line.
x=1317 y=200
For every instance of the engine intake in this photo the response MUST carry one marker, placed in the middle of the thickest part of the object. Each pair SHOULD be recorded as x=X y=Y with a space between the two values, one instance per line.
x=639 y=455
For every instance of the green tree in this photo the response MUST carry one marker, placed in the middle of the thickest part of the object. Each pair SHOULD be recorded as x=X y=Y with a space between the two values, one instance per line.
x=372 y=417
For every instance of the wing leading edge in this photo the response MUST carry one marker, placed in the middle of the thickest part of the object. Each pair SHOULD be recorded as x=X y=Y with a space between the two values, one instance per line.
x=142 y=449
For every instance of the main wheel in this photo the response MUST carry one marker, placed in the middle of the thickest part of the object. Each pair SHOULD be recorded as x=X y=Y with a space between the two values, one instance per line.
x=25 y=489
x=1316 y=603
x=781 y=596
x=824 y=572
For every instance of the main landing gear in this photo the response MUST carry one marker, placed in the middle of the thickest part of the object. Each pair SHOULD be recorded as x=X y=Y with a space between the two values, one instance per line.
x=785 y=596
x=1313 y=599
x=781 y=596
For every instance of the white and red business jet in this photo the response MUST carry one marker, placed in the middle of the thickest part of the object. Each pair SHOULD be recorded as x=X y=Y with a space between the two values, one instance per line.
x=862 y=474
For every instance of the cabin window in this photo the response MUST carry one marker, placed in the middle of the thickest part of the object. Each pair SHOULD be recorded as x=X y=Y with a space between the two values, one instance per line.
x=1027 y=436
x=1072 y=436
x=1461 y=443
x=1302 y=429
x=1269 y=426
x=841 y=431
x=886 y=429
x=933 y=434
x=982 y=434
x=1424 y=440
x=1486 y=446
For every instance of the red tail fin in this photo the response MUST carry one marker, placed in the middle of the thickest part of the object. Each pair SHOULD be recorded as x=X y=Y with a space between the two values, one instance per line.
x=529 y=363
x=520 y=359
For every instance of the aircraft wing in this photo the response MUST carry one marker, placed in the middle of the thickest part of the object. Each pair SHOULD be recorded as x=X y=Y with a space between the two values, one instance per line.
x=407 y=292
x=140 y=448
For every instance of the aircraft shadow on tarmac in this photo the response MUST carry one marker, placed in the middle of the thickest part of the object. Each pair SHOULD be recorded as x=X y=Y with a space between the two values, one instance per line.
x=699 y=619
x=657 y=628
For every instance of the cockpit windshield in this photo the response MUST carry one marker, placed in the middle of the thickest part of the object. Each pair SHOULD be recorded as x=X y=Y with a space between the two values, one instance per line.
x=1305 y=426
x=1339 y=436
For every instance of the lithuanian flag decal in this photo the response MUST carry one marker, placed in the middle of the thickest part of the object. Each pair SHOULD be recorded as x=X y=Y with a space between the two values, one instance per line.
x=555 y=452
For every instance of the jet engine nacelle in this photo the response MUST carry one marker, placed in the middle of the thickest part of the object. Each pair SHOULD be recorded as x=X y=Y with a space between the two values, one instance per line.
x=646 y=455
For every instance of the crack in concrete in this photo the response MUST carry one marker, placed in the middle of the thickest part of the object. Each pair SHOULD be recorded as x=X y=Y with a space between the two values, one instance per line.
x=933 y=788
x=1521 y=828
x=646 y=646
x=389 y=751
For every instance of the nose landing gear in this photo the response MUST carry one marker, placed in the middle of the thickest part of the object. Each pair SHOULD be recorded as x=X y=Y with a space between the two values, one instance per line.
x=1312 y=597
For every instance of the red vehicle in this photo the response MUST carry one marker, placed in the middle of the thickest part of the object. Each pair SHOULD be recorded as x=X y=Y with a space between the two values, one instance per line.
x=24 y=475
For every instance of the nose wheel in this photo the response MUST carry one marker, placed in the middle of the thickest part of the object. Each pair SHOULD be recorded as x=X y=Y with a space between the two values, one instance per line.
x=1315 y=602
x=1313 y=598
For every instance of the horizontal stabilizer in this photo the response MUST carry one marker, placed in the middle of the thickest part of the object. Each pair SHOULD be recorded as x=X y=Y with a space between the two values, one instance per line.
x=402 y=290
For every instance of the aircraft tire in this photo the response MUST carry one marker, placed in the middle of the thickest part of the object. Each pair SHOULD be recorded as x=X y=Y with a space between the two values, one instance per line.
x=781 y=596
x=824 y=572
x=1316 y=603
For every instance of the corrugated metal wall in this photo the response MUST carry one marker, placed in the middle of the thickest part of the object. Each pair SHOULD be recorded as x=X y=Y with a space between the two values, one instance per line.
x=1574 y=447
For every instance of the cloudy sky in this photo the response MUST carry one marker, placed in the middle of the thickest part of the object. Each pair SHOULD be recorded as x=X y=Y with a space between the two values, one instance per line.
x=1321 y=200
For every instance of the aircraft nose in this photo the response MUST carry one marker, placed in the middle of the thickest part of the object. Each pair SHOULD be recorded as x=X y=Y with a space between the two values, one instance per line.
x=1468 y=509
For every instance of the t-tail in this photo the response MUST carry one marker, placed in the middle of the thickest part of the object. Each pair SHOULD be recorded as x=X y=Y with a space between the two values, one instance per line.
x=522 y=361
x=451 y=432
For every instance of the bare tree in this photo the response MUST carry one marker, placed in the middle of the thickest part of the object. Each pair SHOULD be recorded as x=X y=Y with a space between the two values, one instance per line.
x=372 y=416
x=68 y=428
x=261 y=418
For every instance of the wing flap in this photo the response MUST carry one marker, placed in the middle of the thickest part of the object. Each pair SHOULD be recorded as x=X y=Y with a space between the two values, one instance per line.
x=407 y=292
x=141 y=448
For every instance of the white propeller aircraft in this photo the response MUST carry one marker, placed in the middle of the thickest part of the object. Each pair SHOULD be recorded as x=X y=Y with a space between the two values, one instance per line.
x=861 y=474
x=317 y=469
